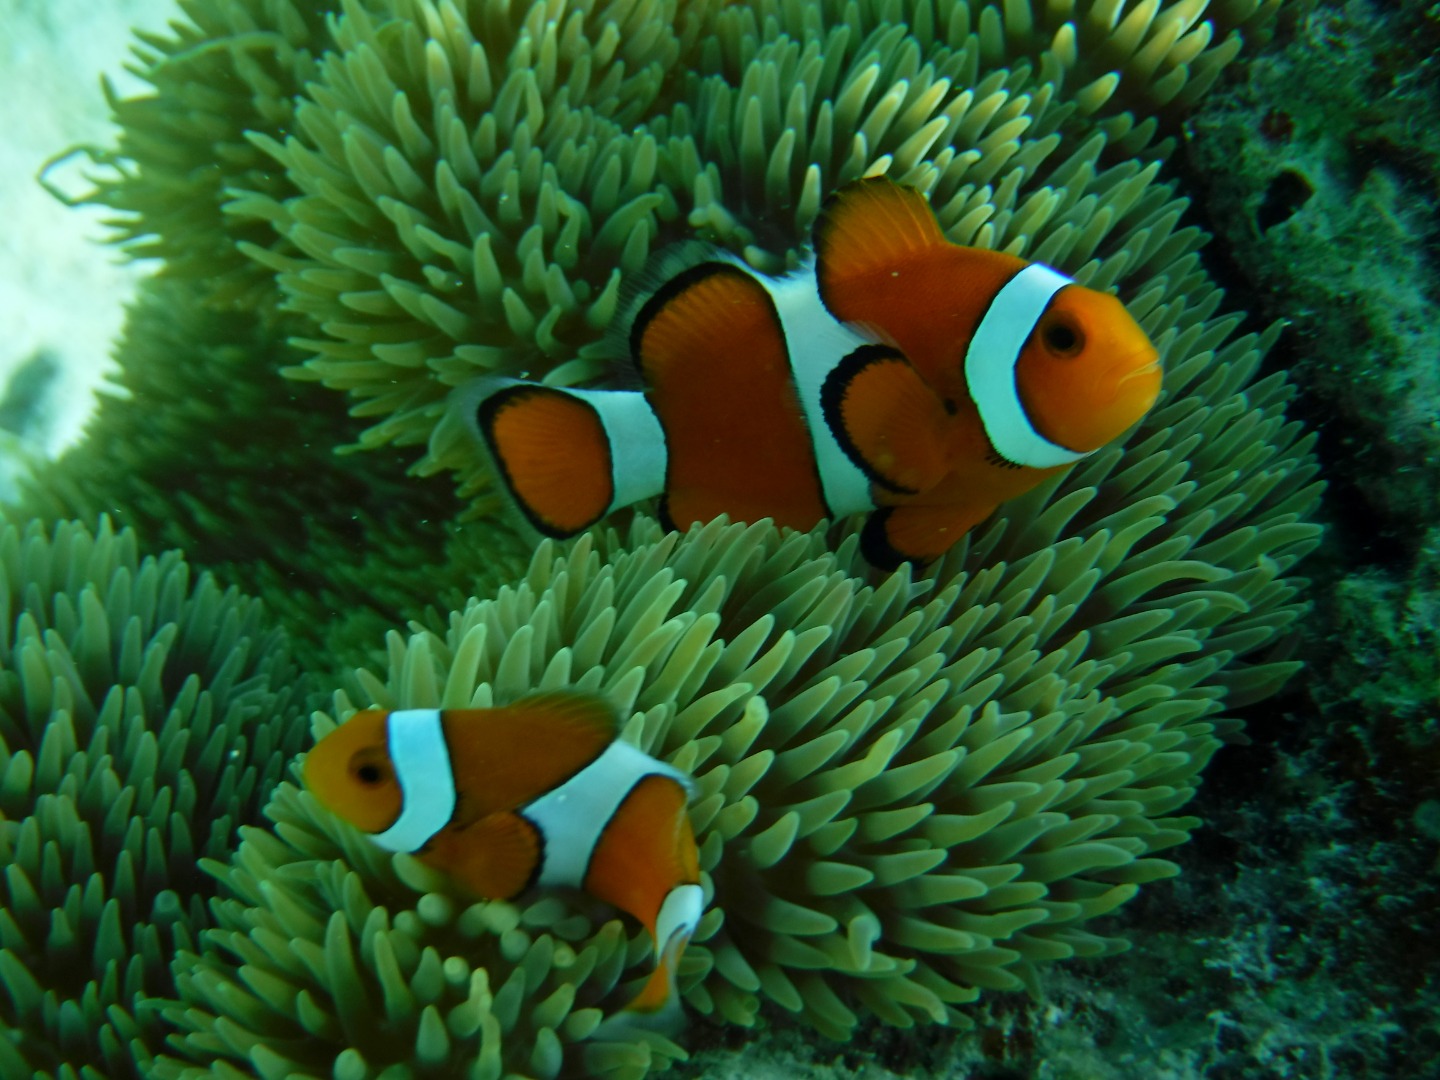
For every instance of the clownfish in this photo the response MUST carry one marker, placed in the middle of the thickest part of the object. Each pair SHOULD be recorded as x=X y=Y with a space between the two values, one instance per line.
x=894 y=372
x=541 y=792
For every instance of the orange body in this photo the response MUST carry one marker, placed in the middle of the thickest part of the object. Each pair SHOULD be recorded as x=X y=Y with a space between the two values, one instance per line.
x=946 y=379
x=537 y=793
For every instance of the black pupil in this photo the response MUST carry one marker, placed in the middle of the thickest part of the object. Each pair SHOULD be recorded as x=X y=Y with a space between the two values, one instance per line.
x=1062 y=338
x=368 y=774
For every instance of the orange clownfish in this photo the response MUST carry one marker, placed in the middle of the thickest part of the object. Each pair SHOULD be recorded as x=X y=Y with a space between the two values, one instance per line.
x=894 y=372
x=540 y=792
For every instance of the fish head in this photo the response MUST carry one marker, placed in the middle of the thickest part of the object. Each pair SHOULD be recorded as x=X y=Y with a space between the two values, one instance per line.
x=1088 y=371
x=351 y=773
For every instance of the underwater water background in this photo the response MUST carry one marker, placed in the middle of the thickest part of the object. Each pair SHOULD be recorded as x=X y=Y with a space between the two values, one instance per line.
x=1301 y=935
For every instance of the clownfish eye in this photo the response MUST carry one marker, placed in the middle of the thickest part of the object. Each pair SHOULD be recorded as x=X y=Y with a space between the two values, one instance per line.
x=367 y=770
x=1062 y=336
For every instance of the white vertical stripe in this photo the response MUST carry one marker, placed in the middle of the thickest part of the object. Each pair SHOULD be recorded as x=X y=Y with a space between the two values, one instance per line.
x=572 y=817
x=421 y=759
x=638 y=456
x=990 y=368
x=817 y=341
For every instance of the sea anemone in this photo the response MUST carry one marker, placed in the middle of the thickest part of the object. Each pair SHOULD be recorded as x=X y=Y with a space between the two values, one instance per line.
x=142 y=718
x=911 y=789
x=908 y=791
x=342 y=546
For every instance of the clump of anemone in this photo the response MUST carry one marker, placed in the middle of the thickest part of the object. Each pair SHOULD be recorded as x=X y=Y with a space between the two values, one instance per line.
x=343 y=545
x=143 y=717
x=973 y=105
x=329 y=959
x=472 y=189
x=909 y=791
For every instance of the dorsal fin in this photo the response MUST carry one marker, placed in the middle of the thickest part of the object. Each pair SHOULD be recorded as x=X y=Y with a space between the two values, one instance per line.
x=872 y=223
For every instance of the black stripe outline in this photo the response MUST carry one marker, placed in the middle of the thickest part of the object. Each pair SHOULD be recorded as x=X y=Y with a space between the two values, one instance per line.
x=875 y=544
x=649 y=311
x=519 y=811
x=600 y=836
x=661 y=297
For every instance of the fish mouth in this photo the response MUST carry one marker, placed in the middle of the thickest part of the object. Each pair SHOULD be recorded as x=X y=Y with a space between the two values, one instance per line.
x=1123 y=372
x=1140 y=372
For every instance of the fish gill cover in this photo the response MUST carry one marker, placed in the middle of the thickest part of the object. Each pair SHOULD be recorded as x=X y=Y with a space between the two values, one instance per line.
x=912 y=788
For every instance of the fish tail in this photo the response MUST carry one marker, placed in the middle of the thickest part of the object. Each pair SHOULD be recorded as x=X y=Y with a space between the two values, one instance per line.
x=659 y=999
x=674 y=924
x=657 y=1007
x=565 y=457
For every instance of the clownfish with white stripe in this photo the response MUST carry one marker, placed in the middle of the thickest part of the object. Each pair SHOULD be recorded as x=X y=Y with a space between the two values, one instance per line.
x=894 y=372
x=541 y=792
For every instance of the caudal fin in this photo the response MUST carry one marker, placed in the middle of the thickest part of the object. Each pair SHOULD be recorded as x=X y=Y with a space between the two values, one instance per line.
x=657 y=1008
x=566 y=457
x=679 y=915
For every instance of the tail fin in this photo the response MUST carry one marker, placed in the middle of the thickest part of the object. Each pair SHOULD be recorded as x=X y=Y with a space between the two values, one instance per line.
x=657 y=1007
x=566 y=457
x=659 y=1000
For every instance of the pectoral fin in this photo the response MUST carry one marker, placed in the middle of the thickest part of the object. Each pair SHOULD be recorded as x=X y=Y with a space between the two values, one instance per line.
x=890 y=422
x=498 y=857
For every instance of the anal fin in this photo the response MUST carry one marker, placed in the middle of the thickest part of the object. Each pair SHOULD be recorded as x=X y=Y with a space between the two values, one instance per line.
x=916 y=533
